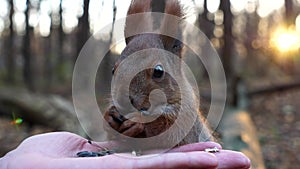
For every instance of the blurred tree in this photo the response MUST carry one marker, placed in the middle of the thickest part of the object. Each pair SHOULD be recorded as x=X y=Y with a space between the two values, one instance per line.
x=251 y=34
x=83 y=27
x=290 y=18
x=50 y=52
x=289 y=13
x=106 y=64
x=61 y=37
x=27 y=67
x=206 y=25
x=227 y=48
x=10 y=47
x=114 y=20
x=48 y=61
x=227 y=54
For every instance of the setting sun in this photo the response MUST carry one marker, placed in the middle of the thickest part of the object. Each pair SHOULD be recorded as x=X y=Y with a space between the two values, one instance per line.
x=286 y=40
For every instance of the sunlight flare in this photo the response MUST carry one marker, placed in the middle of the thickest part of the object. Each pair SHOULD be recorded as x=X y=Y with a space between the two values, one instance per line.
x=286 y=40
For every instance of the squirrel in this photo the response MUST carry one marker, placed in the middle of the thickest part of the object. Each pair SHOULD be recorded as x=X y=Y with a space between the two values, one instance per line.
x=155 y=80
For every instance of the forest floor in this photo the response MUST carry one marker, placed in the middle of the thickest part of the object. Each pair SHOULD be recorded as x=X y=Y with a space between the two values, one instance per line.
x=276 y=118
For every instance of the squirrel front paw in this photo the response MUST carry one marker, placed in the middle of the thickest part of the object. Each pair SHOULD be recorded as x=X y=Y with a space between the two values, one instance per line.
x=127 y=126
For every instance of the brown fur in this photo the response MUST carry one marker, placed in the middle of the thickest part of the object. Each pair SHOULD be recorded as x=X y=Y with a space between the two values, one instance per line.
x=139 y=6
x=143 y=84
x=138 y=23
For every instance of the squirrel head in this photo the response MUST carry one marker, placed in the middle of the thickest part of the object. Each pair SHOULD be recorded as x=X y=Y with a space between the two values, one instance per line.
x=155 y=51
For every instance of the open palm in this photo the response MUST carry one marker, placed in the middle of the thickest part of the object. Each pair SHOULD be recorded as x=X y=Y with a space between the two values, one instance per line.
x=58 y=151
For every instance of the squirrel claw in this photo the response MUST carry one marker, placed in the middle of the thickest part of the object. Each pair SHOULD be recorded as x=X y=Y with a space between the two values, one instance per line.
x=120 y=123
x=113 y=112
x=113 y=118
x=132 y=128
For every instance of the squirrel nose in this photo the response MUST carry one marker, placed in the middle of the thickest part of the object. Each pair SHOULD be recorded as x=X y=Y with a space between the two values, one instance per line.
x=138 y=104
x=144 y=109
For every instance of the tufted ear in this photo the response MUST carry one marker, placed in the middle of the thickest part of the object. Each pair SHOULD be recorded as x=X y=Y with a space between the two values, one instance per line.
x=139 y=23
x=171 y=26
x=146 y=22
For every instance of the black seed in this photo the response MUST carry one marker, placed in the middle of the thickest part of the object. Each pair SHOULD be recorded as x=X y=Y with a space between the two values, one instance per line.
x=87 y=154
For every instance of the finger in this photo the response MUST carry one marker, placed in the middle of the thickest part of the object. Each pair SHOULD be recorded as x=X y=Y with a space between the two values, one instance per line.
x=171 y=160
x=201 y=146
x=179 y=160
x=232 y=159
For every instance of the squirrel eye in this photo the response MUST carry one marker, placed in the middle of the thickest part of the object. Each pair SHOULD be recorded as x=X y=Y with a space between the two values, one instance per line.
x=158 y=72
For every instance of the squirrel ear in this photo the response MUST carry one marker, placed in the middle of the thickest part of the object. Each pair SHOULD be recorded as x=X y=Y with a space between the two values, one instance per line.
x=139 y=23
x=171 y=26
x=143 y=22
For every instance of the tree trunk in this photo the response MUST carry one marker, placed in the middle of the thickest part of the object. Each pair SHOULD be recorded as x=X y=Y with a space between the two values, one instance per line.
x=227 y=50
x=83 y=27
x=114 y=20
x=206 y=25
x=48 y=62
x=289 y=14
x=290 y=18
x=27 y=67
x=61 y=37
x=10 y=49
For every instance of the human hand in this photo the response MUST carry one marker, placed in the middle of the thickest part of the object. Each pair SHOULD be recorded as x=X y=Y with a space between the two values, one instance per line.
x=58 y=151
